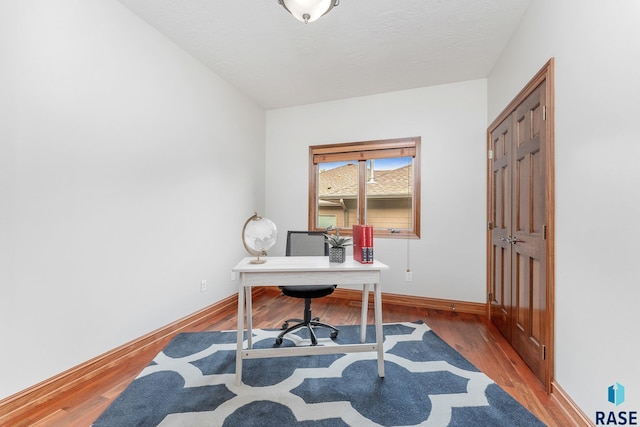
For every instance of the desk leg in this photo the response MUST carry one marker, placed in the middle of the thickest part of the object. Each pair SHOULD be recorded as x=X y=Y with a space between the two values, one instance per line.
x=379 y=335
x=249 y=317
x=241 y=292
x=364 y=311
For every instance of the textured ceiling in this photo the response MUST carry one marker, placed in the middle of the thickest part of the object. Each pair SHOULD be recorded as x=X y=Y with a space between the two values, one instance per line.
x=361 y=47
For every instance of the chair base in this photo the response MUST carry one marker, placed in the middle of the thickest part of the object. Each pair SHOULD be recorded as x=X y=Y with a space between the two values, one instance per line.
x=307 y=322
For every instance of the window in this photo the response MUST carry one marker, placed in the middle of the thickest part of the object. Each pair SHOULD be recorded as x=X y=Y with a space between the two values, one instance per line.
x=372 y=182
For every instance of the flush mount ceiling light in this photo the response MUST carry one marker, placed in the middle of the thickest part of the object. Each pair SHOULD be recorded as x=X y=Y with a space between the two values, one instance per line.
x=308 y=10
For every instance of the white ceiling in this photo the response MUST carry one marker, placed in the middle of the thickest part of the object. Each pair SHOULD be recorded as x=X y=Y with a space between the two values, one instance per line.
x=361 y=47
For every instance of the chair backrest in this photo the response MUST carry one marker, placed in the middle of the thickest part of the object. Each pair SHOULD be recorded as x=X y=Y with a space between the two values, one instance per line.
x=306 y=243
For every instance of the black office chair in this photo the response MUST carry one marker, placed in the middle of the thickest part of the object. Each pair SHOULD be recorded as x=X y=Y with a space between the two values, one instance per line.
x=306 y=243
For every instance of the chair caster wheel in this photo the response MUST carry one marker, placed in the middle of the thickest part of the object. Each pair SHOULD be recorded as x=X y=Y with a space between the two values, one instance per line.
x=278 y=341
x=284 y=326
x=334 y=335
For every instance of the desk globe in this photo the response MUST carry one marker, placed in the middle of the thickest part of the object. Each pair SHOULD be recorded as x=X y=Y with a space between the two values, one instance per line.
x=258 y=236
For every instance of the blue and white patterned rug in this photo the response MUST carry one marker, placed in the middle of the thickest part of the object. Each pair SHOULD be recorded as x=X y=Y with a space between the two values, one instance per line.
x=427 y=383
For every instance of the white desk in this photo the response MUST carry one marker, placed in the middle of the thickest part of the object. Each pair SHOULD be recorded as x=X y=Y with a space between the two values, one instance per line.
x=308 y=270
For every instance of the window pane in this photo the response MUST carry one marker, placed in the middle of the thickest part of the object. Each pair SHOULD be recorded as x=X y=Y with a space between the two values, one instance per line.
x=338 y=194
x=389 y=193
x=366 y=182
x=326 y=221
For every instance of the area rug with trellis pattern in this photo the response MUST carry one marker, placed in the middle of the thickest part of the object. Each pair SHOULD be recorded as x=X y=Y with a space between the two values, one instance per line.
x=427 y=383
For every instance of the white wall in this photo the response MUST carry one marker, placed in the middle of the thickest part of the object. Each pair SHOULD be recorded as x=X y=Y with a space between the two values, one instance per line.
x=449 y=259
x=596 y=46
x=127 y=169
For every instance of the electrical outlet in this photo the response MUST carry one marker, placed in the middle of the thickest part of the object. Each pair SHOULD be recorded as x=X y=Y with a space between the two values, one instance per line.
x=233 y=275
x=203 y=286
x=408 y=276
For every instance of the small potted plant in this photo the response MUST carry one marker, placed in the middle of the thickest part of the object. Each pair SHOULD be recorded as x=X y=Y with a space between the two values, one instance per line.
x=337 y=246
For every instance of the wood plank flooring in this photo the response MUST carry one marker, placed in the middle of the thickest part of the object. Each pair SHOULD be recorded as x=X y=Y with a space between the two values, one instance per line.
x=472 y=335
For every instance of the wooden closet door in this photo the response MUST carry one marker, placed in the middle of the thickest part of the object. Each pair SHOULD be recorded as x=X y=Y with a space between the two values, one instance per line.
x=500 y=295
x=520 y=204
x=528 y=248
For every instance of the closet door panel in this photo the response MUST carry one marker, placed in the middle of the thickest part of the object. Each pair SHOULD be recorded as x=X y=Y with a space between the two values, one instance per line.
x=528 y=248
x=500 y=294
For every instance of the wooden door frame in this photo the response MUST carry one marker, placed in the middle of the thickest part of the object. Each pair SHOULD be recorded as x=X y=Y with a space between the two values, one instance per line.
x=546 y=73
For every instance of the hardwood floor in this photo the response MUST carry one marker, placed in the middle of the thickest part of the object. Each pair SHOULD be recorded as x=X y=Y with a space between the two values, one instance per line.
x=472 y=335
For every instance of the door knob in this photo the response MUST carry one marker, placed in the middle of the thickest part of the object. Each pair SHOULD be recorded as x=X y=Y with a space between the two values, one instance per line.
x=510 y=239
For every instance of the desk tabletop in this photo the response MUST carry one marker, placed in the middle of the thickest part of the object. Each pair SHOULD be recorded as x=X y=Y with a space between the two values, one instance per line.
x=304 y=263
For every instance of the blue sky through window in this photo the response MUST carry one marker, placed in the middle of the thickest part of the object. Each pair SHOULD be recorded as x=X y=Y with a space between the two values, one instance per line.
x=380 y=164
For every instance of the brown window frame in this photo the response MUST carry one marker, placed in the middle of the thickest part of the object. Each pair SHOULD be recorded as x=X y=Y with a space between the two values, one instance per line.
x=363 y=151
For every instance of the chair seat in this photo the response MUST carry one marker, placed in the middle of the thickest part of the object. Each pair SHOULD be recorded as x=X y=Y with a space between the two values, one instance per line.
x=315 y=291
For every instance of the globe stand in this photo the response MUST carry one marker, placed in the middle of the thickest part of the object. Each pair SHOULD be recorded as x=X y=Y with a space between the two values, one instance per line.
x=258 y=235
x=258 y=260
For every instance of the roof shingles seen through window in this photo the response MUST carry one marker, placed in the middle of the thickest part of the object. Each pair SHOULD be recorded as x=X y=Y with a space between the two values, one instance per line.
x=342 y=182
